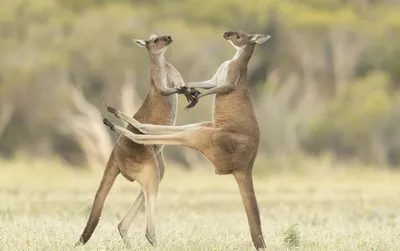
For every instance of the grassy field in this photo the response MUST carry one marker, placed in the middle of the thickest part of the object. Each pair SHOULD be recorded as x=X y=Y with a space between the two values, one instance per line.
x=45 y=207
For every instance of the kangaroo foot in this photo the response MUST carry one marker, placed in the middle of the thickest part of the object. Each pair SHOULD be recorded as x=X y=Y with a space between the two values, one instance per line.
x=112 y=110
x=151 y=239
x=109 y=124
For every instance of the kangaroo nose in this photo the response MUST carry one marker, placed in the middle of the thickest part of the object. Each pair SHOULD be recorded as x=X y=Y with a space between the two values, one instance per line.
x=169 y=38
x=227 y=34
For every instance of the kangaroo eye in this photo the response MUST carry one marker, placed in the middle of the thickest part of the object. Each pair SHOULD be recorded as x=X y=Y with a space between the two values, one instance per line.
x=156 y=40
x=237 y=36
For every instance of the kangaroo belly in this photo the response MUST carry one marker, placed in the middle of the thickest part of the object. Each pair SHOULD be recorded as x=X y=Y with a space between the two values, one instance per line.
x=230 y=152
x=234 y=113
x=133 y=157
x=158 y=109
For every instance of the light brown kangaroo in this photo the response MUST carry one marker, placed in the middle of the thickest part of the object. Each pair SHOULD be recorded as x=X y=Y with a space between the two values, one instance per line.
x=231 y=140
x=135 y=161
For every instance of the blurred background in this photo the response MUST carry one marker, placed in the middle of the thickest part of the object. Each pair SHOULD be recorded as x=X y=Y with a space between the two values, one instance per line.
x=326 y=89
x=326 y=86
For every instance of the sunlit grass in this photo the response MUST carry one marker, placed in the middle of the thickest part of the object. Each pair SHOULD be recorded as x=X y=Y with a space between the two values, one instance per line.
x=44 y=206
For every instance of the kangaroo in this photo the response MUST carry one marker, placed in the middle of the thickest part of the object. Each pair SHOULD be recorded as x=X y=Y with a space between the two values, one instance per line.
x=135 y=161
x=231 y=140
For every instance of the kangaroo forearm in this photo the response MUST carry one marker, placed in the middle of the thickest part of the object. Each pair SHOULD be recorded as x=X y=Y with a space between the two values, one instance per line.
x=165 y=91
x=223 y=89
x=204 y=84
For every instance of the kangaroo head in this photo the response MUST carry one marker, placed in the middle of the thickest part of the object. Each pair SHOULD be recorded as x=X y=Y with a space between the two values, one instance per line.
x=240 y=39
x=154 y=45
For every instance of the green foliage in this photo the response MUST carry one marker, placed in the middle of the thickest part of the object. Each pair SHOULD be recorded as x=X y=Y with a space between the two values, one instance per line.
x=46 y=44
x=292 y=236
x=353 y=118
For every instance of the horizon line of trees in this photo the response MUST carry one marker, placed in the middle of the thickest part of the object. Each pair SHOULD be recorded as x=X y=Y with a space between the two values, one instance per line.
x=326 y=82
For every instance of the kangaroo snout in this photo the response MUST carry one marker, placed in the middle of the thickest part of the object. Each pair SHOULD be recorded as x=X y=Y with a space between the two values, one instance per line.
x=169 y=39
x=227 y=34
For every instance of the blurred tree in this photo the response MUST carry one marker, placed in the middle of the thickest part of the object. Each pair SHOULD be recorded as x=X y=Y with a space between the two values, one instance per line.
x=353 y=123
x=328 y=80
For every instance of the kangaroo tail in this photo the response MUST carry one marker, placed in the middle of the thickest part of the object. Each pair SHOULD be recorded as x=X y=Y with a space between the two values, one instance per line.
x=110 y=174
x=245 y=183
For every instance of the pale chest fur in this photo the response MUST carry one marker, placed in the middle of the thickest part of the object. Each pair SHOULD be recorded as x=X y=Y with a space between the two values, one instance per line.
x=220 y=79
x=222 y=73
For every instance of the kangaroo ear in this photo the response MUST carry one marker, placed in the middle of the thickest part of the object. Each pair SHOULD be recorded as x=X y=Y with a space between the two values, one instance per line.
x=140 y=42
x=152 y=36
x=259 y=38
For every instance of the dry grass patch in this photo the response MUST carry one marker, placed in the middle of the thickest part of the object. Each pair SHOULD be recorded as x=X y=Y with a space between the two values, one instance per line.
x=45 y=207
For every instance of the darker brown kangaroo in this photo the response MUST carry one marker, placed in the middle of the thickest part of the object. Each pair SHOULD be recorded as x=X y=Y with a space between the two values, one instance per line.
x=232 y=139
x=135 y=161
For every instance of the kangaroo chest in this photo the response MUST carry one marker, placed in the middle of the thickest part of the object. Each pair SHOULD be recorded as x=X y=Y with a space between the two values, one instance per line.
x=222 y=74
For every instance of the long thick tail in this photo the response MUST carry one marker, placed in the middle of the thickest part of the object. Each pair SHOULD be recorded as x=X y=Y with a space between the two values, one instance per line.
x=245 y=183
x=109 y=176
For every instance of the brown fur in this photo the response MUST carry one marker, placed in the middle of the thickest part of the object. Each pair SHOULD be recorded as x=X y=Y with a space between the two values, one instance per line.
x=232 y=139
x=139 y=162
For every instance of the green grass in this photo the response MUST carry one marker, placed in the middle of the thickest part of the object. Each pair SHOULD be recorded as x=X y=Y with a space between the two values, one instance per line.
x=44 y=206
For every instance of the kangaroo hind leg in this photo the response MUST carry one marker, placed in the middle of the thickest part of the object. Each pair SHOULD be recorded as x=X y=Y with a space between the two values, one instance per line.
x=126 y=222
x=149 y=179
x=194 y=138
